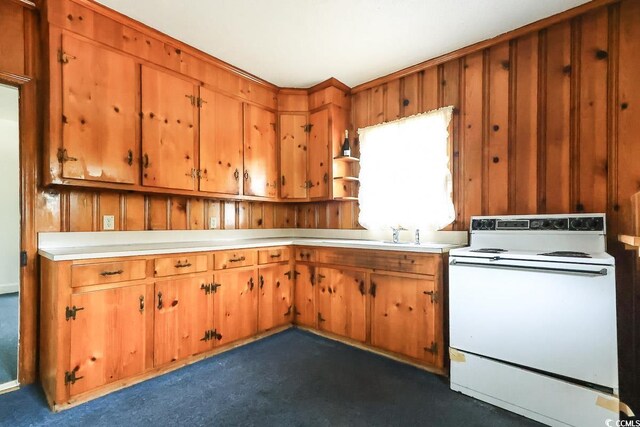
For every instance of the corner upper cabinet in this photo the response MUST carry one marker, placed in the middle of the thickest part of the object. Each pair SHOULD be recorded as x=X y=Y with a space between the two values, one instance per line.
x=260 y=153
x=99 y=114
x=221 y=143
x=319 y=155
x=169 y=122
x=293 y=156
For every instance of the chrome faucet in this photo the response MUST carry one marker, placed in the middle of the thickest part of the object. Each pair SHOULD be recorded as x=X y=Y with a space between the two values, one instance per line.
x=396 y=234
x=417 y=242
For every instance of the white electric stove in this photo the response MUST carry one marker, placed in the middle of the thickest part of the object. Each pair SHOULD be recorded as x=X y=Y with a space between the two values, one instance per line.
x=533 y=318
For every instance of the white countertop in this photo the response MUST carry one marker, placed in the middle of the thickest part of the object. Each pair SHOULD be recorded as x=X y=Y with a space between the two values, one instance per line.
x=75 y=246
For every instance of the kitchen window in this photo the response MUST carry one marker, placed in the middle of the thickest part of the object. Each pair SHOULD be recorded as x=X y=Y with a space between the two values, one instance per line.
x=405 y=180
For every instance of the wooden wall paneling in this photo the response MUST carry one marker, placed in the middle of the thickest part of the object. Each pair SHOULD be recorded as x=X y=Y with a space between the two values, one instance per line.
x=322 y=215
x=430 y=89
x=498 y=166
x=284 y=216
x=268 y=215
x=347 y=219
x=376 y=110
x=178 y=213
x=524 y=125
x=333 y=215
x=196 y=214
x=628 y=106
x=410 y=100
x=135 y=214
x=81 y=211
x=213 y=211
x=244 y=219
x=592 y=129
x=229 y=215
x=157 y=213
x=557 y=119
x=109 y=204
x=360 y=116
x=472 y=134
x=392 y=100
x=47 y=211
x=257 y=215
x=451 y=96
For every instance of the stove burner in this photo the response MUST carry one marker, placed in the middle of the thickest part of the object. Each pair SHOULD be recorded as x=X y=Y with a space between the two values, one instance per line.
x=569 y=254
x=489 y=250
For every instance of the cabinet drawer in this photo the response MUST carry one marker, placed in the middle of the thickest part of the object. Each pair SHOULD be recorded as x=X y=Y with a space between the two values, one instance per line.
x=234 y=259
x=266 y=256
x=107 y=272
x=171 y=266
x=303 y=254
x=407 y=262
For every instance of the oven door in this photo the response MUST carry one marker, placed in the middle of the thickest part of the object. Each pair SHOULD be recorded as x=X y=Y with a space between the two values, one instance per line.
x=554 y=317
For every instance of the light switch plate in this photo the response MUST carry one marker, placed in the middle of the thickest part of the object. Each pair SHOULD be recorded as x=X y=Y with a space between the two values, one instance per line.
x=108 y=222
x=213 y=222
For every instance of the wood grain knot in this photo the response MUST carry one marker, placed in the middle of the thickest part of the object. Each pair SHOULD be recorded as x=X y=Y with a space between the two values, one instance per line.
x=496 y=128
x=566 y=69
x=624 y=105
x=601 y=54
x=405 y=102
x=496 y=159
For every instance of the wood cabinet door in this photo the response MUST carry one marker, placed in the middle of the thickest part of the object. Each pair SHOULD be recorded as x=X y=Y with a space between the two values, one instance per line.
x=260 y=155
x=183 y=314
x=235 y=305
x=275 y=305
x=319 y=155
x=304 y=294
x=168 y=130
x=220 y=143
x=403 y=316
x=108 y=336
x=99 y=114
x=342 y=302
x=293 y=156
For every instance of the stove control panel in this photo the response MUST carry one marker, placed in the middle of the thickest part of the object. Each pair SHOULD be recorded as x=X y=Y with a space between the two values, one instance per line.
x=581 y=223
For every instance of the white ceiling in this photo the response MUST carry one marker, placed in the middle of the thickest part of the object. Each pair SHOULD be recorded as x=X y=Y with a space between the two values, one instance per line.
x=298 y=43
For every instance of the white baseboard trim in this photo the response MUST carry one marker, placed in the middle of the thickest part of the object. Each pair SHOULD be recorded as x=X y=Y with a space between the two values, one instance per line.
x=9 y=288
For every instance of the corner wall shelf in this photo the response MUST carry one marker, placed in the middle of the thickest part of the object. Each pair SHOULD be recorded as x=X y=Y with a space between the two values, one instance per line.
x=346 y=178
x=346 y=198
x=347 y=159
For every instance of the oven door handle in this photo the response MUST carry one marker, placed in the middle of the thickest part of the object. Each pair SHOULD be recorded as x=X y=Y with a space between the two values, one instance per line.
x=601 y=272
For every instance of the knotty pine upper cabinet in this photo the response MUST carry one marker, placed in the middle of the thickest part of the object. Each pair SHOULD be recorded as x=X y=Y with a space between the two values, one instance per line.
x=342 y=302
x=293 y=156
x=319 y=155
x=221 y=143
x=275 y=305
x=99 y=114
x=108 y=335
x=260 y=153
x=183 y=318
x=169 y=123
x=404 y=316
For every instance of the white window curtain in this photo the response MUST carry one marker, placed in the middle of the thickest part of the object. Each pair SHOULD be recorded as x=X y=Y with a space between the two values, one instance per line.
x=405 y=180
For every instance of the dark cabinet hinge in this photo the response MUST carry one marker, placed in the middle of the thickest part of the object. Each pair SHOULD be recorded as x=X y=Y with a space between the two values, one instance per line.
x=320 y=318
x=372 y=289
x=71 y=378
x=23 y=258
x=307 y=127
x=200 y=102
x=63 y=156
x=361 y=287
x=63 y=57
x=291 y=274
x=434 y=296
x=192 y=99
x=211 y=334
x=295 y=311
x=433 y=349
x=70 y=313
x=288 y=313
x=206 y=287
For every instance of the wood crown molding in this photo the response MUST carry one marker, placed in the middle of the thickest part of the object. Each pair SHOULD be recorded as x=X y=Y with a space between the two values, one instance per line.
x=535 y=26
x=25 y=3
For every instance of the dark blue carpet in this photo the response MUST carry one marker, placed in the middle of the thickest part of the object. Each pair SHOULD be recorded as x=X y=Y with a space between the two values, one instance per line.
x=291 y=379
x=8 y=337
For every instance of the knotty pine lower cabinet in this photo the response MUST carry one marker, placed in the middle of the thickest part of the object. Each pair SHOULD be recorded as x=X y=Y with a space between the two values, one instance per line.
x=108 y=337
x=235 y=307
x=342 y=300
x=304 y=294
x=275 y=305
x=183 y=316
x=404 y=316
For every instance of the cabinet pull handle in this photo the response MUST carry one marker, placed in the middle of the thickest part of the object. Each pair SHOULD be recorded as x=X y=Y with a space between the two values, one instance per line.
x=141 y=303
x=320 y=277
x=145 y=161
x=111 y=273
x=325 y=178
x=159 y=300
x=242 y=258
x=236 y=174
x=261 y=281
x=372 y=289
x=312 y=279
x=251 y=284
x=180 y=265
x=246 y=175
x=310 y=184
x=361 y=287
x=276 y=255
x=130 y=157
x=282 y=180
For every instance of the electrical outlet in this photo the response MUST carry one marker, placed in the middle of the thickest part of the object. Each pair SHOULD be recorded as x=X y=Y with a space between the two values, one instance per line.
x=108 y=222
x=213 y=222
